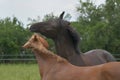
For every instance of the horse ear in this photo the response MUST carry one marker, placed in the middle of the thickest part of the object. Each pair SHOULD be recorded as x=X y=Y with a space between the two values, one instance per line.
x=35 y=37
x=61 y=15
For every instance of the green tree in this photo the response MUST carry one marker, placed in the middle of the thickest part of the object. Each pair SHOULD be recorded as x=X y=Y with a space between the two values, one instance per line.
x=112 y=18
x=12 y=36
x=99 y=25
x=49 y=16
x=32 y=21
x=52 y=16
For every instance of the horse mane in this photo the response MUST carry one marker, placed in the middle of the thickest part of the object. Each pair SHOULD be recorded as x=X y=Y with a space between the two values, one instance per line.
x=74 y=37
x=59 y=59
x=72 y=33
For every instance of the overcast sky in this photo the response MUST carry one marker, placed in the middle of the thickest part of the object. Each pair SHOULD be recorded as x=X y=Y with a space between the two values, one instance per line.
x=22 y=9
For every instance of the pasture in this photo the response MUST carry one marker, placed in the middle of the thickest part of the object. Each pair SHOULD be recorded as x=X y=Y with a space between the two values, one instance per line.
x=19 y=72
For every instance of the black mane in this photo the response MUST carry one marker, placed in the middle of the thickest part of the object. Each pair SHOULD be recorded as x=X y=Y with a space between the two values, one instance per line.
x=75 y=38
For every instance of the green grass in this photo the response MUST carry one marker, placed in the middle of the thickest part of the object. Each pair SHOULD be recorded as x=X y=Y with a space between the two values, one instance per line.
x=19 y=72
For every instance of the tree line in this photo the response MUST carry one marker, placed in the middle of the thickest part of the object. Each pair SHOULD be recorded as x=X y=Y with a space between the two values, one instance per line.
x=99 y=25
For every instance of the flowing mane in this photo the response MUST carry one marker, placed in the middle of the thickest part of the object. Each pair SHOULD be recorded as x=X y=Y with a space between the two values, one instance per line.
x=75 y=38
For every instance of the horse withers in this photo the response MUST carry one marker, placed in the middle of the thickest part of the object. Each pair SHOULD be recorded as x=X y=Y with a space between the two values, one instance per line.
x=62 y=33
x=54 y=67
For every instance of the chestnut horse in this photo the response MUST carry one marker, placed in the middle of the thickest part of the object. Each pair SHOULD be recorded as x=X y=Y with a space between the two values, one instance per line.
x=54 y=67
x=62 y=33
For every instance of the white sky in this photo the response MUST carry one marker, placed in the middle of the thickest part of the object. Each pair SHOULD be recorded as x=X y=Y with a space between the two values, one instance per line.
x=22 y=9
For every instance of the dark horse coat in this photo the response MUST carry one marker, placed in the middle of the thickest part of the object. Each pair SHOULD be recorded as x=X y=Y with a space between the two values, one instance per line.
x=53 y=67
x=62 y=33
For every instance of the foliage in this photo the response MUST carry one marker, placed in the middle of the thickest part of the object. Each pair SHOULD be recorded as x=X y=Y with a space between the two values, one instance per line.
x=52 y=16
x=32 y=21
x=12 y=36
x=99 y=25
x=49 y=16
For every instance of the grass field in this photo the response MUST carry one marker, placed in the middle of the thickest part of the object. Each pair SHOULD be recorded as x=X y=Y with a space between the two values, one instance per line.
x=19 y=72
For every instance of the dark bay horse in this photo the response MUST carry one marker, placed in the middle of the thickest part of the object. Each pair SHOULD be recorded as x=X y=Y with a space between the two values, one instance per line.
x=62 y=33
x=54 y=67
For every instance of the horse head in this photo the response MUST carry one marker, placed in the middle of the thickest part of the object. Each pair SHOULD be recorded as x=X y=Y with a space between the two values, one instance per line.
x=35 y=40
x=50 y=28
x=56 y=27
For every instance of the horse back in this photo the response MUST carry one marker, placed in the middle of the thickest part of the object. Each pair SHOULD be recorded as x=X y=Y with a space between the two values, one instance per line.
x=111 y=71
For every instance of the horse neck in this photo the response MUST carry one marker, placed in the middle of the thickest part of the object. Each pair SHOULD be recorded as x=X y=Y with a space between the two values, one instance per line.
x=46 y=60
x=64 y=46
